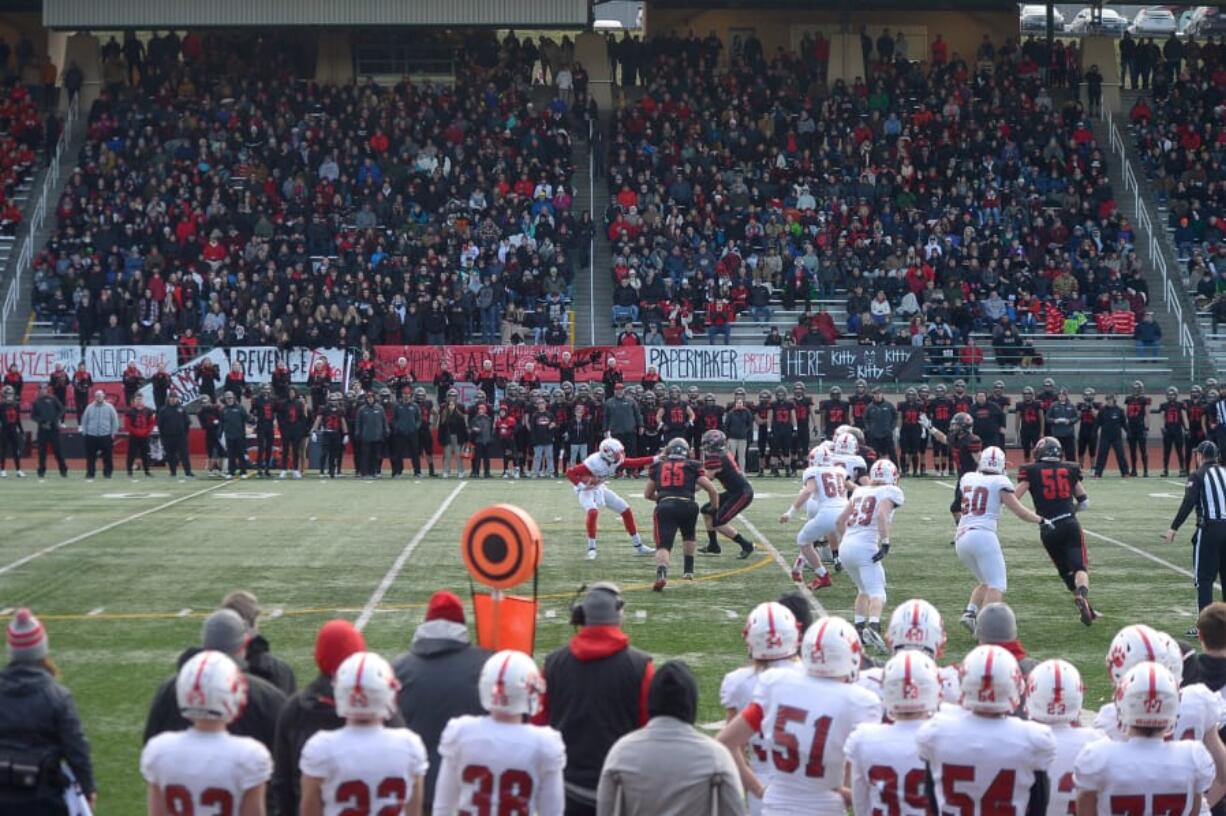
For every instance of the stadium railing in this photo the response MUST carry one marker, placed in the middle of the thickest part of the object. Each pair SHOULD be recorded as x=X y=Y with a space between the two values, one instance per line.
x=1171 y=294
x=25 y=257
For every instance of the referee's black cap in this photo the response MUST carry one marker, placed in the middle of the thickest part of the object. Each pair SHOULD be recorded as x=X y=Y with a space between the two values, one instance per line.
x=1208 y=451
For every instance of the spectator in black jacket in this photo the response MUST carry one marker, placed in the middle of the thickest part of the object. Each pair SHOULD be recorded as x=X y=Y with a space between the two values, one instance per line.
x=260 y=660
x=173 y=424
x=313 y=709
x=438 y=676
x=369 y=435
x=225 y=632
x=1208 y=667
x=39 y=723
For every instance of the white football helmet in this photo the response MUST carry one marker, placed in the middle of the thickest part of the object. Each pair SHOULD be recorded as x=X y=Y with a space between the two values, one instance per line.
x=911 y=684
x=845 y=444
x=883 y=472
x=916 y=624
x=831 y=648
x=771 y=632
x=365 y=686
x=612 y=451
x=822 y=455
x=1131 y=645
x=1054 y=692
x=211 y=686
x=992 y=460
x=991 y=681
x=1170 y=656
x=1149 y=698
x=510 y=683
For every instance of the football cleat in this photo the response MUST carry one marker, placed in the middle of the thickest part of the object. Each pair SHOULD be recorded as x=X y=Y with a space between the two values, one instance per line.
x=872 y=639
x=709 y=550
x=968 y=621
x=1083 y=609
x=591 y=554
x=661 y=579
x=821 y=582
x=743 y=554
x=644 y=550
x=798 y=571
x=687 y=576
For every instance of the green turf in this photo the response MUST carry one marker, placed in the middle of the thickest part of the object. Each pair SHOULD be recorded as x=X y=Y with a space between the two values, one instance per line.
x=313 y=550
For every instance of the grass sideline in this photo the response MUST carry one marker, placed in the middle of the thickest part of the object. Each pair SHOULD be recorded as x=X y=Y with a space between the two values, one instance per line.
x=120 y=604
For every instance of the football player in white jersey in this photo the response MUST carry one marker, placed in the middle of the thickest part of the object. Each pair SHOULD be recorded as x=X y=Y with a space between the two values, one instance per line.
x=805 y=719
x=773 y=640
x=1200 y=710
x=884 y=769
x=849 y=447
x=1144 y=773
x=983 y=493
x=863 y=529
x=823 y=495
x=590 y=479
x=500 y=763
x=987 y=761
x=363 y=766
x=916 y=625
x=1054 y=692
x=204 y=768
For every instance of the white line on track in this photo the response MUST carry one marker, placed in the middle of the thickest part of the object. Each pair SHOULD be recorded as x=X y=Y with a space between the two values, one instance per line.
x=96 y=611
x=1137 y=550
x=783 y=565
x=104 y=528
x=1178 y=484
x=394 y=571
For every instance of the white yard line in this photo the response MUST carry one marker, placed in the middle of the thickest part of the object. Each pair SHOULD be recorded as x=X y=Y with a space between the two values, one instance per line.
x=1137 y=550
x=393 y=572
x=784 y=565
x=20 y=562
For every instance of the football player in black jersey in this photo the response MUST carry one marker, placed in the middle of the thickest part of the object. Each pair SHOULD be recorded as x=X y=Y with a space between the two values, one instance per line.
x=737 y=495
x=1172 y=430
x=964 y=447
x=671 y=483
x=911 y=434
x=835 y=412
x=1058 y=494
x=803 y=405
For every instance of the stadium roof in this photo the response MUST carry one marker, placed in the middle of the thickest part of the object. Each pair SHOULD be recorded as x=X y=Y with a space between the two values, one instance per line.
x=150 y=14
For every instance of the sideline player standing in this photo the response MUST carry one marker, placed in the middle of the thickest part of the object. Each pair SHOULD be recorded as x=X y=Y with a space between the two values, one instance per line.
x=823 y=495
x=589 y=478
x=1029 y=421
x=1087 y=427
x=499 y=763
x=1172 y=431
x=884 y=768
x=204 y=766
x=1136 y=405
x=772 y=637
x=976 y=542
x=737 y=495
x=863 y=529
x=994 y=762
x=1144 y=773
x=1054 y=693
x=1057 y=492
x=671 y=483
x=363 y=766
x=911 y=435
x=804 y=719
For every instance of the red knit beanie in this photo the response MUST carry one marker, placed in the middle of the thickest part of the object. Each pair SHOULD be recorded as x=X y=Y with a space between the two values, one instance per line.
x=337 y=640
x=445 y=605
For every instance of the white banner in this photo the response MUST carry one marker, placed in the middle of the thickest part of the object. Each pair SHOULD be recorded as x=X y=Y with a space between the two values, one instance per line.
x=716 y=363
x=258 y=363
x=104 y=363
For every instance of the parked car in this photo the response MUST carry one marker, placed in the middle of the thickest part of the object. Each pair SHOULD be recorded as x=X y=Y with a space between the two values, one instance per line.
x=1034 y=19
x=1153 y=21
x=1207 y=21
x=1112 y=23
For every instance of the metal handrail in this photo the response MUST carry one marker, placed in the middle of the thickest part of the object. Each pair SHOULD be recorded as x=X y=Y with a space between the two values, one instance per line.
x=591 y=250
x=25 y=258
x=1170 y=293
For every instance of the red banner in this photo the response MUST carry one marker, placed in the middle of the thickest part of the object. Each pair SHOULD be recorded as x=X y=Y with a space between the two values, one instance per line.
x=509 y=361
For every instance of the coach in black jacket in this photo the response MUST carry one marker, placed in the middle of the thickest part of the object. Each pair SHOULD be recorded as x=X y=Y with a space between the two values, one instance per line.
x=225 y=632
x=596 y=692
x=173 y=424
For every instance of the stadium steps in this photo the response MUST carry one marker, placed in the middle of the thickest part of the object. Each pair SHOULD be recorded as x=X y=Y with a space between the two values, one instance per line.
x=599 y=303
x=25 y=327
x=10 y=245
x=585 y=276
x=1181 y=367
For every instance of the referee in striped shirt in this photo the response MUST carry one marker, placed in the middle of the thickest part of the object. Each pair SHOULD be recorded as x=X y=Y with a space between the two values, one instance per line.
x=1206 y=494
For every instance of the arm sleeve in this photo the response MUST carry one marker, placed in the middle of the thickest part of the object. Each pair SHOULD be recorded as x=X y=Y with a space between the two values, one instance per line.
x=1191 y=495
x=648 y=673
x=314 y=759
x=447 y=787
x=256 y=767
x=1039 y=791
x=638 y=461
x=551 y=799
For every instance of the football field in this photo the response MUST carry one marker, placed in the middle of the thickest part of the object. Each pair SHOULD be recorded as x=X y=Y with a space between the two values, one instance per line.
x=122 y=573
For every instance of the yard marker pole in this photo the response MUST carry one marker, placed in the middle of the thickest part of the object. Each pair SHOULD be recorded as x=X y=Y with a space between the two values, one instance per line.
x=393 y=572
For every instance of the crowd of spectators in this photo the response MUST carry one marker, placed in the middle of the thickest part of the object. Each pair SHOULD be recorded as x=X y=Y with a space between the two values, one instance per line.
x=219 y=197
x=1179 y=132
x=21 y=137
x=946 y=196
